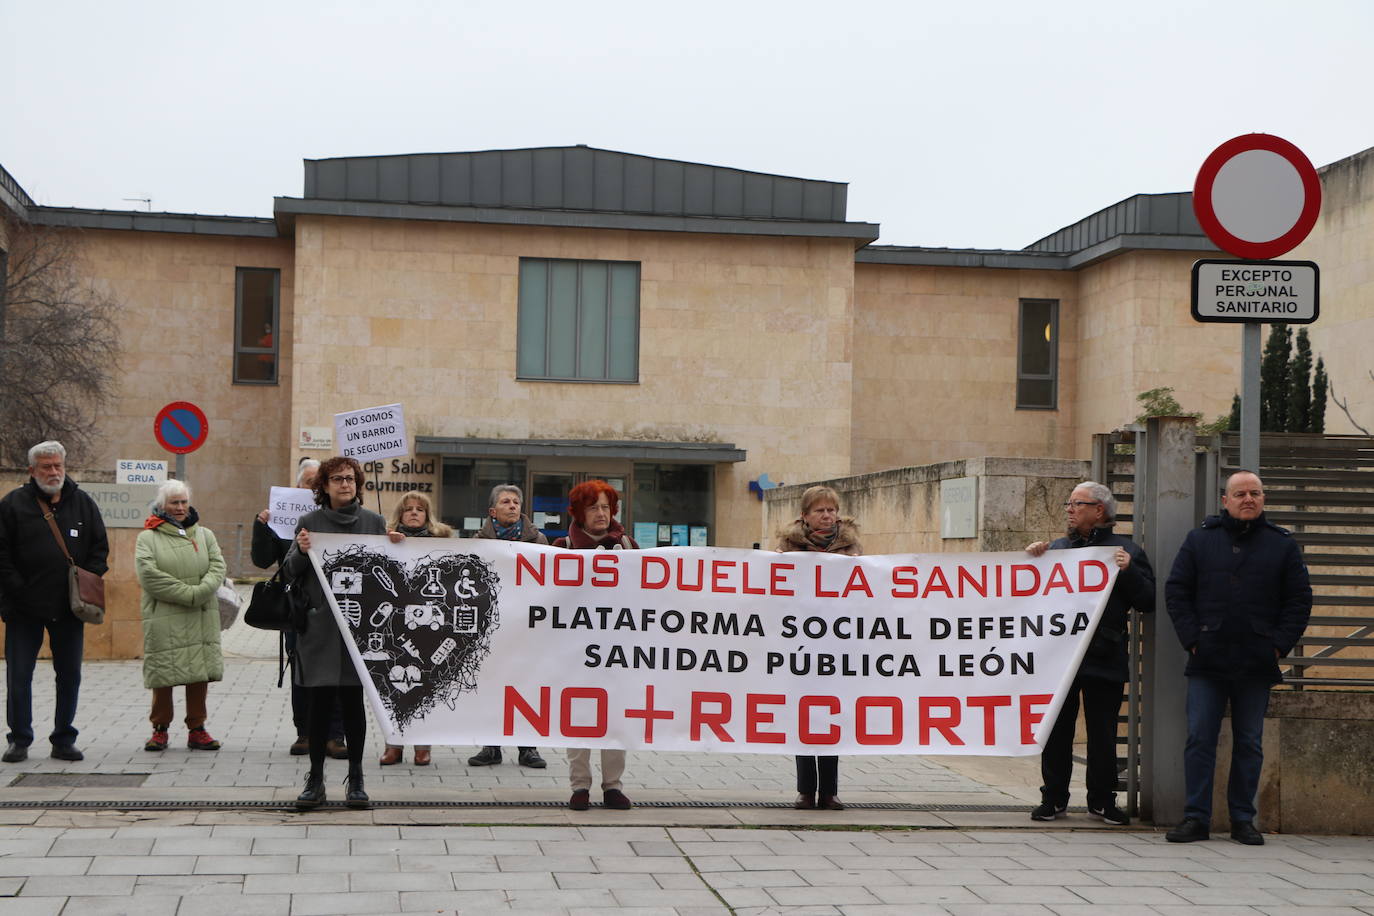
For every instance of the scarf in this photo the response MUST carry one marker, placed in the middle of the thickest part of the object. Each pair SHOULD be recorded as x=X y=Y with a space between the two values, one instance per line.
x=157 y=518
x=1078 y=539
x=820 y=538
x=422 y=532
x=509 y=532
x=347 y=516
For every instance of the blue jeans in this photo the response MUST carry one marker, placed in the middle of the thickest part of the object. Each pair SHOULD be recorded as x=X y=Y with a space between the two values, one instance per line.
x=23 y=639
x=1207 y=699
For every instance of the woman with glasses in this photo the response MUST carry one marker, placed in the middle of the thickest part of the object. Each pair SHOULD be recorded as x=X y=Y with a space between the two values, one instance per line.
x=323 y=665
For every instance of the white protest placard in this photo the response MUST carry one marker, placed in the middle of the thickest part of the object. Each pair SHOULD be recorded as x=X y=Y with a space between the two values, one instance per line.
x=286 y=505
x=479 y=642
x=140 y=471
x=371 y=433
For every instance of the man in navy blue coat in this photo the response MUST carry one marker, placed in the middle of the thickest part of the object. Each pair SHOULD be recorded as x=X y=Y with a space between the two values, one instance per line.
x=1240 y=598
x=1101 y=678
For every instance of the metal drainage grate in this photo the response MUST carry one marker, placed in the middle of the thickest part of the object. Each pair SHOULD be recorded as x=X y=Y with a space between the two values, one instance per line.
x=80 y=780
x=169 y=805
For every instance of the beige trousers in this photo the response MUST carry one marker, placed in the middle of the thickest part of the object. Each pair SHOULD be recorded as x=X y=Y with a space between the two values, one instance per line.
x=580 y=768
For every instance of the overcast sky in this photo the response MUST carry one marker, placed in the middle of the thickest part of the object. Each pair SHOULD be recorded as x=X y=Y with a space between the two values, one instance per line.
x=973 y=124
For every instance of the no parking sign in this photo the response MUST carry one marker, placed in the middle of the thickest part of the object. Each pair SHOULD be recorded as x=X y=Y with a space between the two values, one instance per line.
x=181 y=427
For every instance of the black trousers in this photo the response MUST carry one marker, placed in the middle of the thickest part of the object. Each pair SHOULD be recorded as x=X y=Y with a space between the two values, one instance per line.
x=1101 y=702
x=322 y=705
x=818 y=776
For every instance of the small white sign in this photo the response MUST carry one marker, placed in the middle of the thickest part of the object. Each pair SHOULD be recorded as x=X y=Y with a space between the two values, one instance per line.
x=1266 y=291
x=372 y=433
x=140 y=471
x=959 y=508
x=319 y=437
x=121 y=505
x=286 y=505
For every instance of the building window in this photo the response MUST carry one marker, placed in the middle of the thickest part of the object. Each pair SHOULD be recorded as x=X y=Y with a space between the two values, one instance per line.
x=579 y=320
x=257 y=311
x=466 y=490
x=1037 y=355
x=673 y=505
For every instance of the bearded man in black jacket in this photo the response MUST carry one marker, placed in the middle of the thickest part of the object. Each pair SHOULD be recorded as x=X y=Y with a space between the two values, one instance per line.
x=34 y=593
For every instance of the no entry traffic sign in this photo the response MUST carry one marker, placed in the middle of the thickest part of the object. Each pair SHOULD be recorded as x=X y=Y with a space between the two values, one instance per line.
x=181 y=427
x=1257 y=196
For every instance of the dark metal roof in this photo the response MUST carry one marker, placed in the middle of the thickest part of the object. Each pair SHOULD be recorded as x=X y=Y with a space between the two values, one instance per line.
x=12 y=196
x=960 y=257
x=575 y=178
x=698 y=452
x=288 y=208
x=1143 y=214
x=1145 y=222
x=142 y=221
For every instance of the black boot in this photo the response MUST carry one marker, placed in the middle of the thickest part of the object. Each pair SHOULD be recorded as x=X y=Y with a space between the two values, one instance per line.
x=313 y=796
x=356 y=797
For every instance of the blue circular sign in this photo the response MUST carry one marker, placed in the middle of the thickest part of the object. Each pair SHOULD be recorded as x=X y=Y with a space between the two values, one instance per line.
x=181 y=427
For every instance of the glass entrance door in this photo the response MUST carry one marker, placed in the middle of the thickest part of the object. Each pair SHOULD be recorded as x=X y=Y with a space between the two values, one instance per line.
x=548 y=498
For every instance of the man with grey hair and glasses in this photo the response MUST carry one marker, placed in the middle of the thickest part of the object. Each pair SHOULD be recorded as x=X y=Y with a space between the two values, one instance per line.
x=34 y=593
x=1101 y=678
x=506 y=521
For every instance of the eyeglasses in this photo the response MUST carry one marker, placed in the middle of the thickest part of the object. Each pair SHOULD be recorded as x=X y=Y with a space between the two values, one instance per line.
x=1080 y=503
x=341 y=479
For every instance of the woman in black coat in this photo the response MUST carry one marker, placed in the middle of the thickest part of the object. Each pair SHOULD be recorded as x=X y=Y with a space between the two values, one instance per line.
x=322 y=664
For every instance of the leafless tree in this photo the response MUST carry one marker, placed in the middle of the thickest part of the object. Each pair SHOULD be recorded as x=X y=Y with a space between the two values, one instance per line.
x=59 y=344
x=1344 y=405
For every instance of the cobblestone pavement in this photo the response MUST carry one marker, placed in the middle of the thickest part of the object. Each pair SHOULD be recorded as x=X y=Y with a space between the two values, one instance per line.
x=191 y=832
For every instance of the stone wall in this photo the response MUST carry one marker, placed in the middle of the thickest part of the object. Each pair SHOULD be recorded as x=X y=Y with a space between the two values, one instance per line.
x=1019 y=500
x=1317 y=776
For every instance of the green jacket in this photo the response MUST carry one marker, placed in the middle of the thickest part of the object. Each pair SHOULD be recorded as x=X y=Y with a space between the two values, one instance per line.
x=179 y=575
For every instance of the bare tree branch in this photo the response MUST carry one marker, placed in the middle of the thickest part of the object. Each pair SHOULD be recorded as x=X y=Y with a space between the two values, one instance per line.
x=1346 y=410
x=59 y=344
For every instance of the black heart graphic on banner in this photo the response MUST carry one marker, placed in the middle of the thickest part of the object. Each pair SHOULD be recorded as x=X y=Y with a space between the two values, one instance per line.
x=422 y=629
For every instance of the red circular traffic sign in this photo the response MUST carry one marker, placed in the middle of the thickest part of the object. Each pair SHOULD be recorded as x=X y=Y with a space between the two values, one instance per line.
x=1257 y=196
x=181 y=427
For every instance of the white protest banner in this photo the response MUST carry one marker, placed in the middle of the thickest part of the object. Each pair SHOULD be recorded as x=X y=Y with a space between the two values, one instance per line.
x=479 y=642
x=286 y=505
x=372 y=433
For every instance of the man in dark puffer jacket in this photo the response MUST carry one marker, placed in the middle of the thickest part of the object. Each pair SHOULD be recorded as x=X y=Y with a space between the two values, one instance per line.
x=1240 y=598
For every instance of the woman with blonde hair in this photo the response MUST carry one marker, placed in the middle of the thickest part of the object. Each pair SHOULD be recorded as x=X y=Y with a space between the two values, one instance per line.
x=820 y=528
x=414 y=518
x=179 y=567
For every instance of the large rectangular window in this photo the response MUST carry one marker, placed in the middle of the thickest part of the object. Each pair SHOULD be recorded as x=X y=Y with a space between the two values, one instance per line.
x=1037 y=355
x=579 y=320
x=257 y=311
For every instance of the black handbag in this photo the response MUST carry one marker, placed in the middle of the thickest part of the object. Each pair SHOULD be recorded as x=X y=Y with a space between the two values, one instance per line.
x=271 y=607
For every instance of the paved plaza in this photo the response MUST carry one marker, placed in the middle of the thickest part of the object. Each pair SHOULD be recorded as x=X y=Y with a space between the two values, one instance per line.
x=190 y=832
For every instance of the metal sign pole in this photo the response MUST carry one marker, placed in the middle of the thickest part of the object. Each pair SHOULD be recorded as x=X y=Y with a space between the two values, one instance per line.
x=1250 y=397
x=181 y=468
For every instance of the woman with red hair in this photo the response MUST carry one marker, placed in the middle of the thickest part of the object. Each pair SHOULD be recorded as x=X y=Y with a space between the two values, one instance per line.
x=593 y=505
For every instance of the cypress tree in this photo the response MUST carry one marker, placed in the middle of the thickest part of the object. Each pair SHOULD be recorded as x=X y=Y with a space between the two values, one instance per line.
x=1298 y=417
x=1274 y=380
x=1234 y=423
x=1317 y=420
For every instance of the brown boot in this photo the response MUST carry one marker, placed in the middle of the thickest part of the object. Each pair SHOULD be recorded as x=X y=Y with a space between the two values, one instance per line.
x=422 y=755
x=390 y=756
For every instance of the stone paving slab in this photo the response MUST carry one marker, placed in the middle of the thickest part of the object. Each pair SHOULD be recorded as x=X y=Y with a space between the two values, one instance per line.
x=390 y=868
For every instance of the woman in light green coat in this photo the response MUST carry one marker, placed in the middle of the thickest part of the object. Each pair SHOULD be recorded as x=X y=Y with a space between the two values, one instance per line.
x=179 y=568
